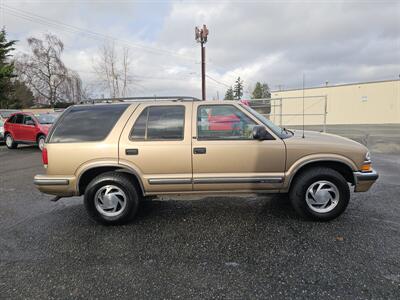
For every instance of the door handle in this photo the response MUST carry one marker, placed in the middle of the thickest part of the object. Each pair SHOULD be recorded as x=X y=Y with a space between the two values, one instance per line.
x=199 y=150
x=131 y=151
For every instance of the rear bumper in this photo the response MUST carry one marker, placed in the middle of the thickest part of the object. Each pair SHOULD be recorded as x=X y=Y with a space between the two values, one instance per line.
x=56 y=185
x=364 y=181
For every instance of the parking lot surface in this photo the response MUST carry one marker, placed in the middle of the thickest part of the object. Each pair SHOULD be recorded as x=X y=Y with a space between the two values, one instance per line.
x=212 y=247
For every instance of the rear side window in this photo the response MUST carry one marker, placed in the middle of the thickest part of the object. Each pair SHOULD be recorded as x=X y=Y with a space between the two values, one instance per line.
x=12 y=119
x=87 y=123
x=157 y=123
x=19 y=119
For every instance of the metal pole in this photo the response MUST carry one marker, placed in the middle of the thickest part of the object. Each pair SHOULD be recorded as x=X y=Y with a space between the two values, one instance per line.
x=201 y=37
x=280 y=112
x=203 y=71
x=325 y=111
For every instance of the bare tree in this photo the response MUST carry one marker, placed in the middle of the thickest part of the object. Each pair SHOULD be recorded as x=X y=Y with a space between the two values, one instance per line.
x=46 y=74
x=113 y=70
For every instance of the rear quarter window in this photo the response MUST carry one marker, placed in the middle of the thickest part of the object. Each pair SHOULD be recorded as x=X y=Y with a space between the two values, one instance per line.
x=86 y=123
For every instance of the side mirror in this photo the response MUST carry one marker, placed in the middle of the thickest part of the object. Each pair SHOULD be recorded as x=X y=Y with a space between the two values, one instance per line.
x=260 y=133
x=30 y=122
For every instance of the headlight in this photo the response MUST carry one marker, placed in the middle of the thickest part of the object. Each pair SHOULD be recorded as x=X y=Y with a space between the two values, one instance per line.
x=368 y=156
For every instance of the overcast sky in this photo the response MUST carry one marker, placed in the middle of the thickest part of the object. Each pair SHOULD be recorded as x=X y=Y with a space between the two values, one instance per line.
x=268 y=41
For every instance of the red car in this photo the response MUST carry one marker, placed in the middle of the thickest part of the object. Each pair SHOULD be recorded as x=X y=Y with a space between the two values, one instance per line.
x=28 y=128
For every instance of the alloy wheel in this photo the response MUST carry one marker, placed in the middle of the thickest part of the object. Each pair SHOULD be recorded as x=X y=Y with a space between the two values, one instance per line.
x=41 y=144
x=9 y=141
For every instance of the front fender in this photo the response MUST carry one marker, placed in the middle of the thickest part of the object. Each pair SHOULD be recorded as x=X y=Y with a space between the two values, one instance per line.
x=313 y=158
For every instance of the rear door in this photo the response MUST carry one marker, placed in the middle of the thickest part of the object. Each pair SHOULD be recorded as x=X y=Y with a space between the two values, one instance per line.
x=16 y=127
x=156 y=143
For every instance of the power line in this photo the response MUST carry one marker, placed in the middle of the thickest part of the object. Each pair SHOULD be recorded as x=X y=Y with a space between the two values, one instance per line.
x=217 y=81
x=31 y=17
x=75 y=29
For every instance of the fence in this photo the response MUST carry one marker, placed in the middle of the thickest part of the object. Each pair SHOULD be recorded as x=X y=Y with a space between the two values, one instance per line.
x=289 y=111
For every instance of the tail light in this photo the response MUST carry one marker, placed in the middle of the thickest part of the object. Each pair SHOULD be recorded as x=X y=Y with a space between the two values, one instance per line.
x=45 y=158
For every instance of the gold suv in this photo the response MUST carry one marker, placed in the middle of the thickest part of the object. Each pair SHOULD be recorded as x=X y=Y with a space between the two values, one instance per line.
x=117 y=154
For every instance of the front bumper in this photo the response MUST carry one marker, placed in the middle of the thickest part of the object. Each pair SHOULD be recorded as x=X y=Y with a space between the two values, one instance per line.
x=63 y=186
x=364 y=180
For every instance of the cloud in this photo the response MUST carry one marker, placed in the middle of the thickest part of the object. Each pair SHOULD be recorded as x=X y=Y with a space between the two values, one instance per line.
x=269 y=41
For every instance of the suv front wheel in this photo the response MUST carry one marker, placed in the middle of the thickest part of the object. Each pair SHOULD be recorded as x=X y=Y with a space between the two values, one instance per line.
x=111 y=198
x=321 y=194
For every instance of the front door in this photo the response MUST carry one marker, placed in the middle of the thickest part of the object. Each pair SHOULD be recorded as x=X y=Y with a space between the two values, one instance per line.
x=225 y=155
x=156 y=144
x=28 y=129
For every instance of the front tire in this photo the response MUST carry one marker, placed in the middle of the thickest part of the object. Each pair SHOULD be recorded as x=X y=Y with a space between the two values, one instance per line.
x=10 y=142
x=320 y=194
x=111 y=198
x=40 y=141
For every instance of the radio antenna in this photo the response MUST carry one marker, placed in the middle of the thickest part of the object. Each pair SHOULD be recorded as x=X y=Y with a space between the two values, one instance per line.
x=304 y=79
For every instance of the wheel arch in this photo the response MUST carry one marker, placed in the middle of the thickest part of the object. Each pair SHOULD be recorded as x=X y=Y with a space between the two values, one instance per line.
x=343 y=167
x=87 y=175
x=39 y=134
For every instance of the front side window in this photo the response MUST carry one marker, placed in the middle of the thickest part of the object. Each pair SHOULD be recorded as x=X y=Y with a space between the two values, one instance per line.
x=223 y=122
x=159 y=123
x=86 y=123
x=28 y=120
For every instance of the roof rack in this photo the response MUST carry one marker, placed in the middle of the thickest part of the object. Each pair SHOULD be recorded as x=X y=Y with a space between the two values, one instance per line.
x=141 y=99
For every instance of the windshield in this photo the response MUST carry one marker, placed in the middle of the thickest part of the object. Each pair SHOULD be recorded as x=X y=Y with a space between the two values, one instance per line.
x=46 y=118
x=281 y=132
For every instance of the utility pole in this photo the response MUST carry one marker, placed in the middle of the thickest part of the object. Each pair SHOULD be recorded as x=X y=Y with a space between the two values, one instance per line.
x=201 y=37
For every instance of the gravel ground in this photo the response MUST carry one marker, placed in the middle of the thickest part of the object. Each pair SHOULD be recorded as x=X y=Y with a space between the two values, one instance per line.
x=226 y=247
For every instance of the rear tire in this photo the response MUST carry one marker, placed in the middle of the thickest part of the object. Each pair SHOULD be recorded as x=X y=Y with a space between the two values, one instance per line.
x=111 y=198
x=40 y=141
x=320 y=194
x=10 y=142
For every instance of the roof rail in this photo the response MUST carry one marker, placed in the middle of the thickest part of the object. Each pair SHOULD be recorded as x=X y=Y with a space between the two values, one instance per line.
x=141 y=99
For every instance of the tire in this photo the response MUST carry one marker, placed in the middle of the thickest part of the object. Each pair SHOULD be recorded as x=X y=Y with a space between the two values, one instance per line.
x=40 y=141
x=10 y=141
x=111 y=199
x=320 y=194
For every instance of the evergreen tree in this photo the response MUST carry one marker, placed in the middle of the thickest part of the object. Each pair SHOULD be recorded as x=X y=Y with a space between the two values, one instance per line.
x=238 y=89
x=22 y=96
x=257 y=92
x=261 y=91
x=6 y=69
x=229 y=94
x=266 y=93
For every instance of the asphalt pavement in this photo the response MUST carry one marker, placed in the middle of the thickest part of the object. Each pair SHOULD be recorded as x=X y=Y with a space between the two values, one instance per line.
x=235 y=247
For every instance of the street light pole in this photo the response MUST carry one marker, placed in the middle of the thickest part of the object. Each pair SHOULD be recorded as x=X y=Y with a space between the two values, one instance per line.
x=201 y=37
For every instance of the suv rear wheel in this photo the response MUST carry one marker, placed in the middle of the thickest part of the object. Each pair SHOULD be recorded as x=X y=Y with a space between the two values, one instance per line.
x=320 y=194
x=111 y=198
x=10 y=142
